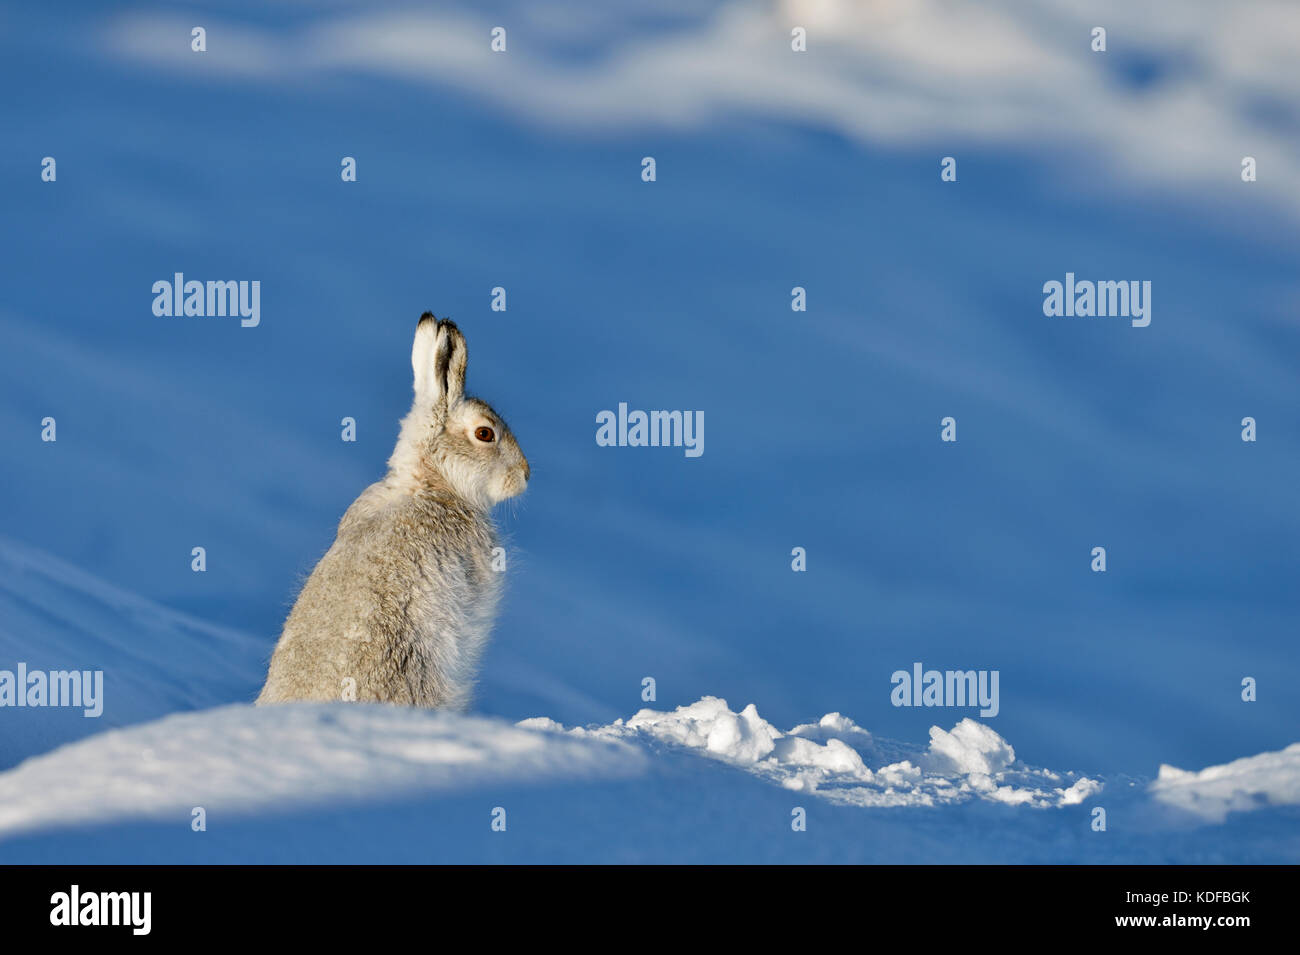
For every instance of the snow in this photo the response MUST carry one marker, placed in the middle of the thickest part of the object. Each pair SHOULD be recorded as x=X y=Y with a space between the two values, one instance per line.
x=624 y=565
x=960 y=61
x=246 y=759
x=155 y=660
x=697 y=782
x=1269 y=779
x=833 y=758
x=265 y=777
x=970 y=748
x=743 y=738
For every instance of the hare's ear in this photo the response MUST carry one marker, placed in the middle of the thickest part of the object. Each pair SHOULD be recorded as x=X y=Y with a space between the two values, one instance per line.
x=438 y=359
x=426 y=335
x=450 y=360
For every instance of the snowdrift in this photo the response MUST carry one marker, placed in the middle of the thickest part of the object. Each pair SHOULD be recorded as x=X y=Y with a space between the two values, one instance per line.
x=180 y=769
x=339 y=782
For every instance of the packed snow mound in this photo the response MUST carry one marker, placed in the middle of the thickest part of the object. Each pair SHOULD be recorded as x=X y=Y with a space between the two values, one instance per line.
x=240 y=759
x=842 y=762
x=970 y=748
x=1256 y=782
x=257 y=763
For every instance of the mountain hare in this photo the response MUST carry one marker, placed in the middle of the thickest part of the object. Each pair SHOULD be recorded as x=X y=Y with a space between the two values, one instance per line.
x=399 y=608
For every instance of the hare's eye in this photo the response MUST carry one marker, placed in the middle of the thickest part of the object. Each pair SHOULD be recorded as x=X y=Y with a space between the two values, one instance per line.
x=485 y=434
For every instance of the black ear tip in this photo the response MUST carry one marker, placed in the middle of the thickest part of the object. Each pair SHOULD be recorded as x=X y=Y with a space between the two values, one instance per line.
x=448 y=324
x=427 y=317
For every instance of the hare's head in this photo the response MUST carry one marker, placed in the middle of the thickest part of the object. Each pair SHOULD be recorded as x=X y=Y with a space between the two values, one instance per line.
x=449 y=435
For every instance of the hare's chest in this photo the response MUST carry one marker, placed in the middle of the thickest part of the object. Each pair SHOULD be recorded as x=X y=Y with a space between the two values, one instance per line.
x=452 y=621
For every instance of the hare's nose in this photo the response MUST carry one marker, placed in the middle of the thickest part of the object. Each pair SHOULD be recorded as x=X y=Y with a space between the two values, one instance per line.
x=528 y=472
